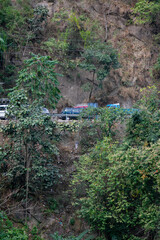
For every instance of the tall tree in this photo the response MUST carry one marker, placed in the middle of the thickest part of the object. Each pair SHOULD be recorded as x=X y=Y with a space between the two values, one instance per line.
x=99 y=58
x=28 y=159
x=39 y=79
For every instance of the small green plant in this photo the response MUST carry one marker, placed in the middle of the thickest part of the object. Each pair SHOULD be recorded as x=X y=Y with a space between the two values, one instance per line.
x=37 y=23
x=34 y=234
x=156 y=69
x=52 y=204
x=86 y=87
x=72 y=126
x=60 y=16
x=8 y=231
x=72 y=221
x=56 y=236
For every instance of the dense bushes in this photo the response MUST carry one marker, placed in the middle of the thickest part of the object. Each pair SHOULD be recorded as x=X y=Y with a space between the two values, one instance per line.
x=9 y=232
x=121 y=183
x=122 y=189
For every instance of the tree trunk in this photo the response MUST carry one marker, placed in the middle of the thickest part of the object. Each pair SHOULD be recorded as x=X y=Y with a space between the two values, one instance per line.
x=27 y=180
x=90 y=94
x=105 y=19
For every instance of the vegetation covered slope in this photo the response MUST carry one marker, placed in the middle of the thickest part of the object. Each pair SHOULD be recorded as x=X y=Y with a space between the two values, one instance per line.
x=116 y=180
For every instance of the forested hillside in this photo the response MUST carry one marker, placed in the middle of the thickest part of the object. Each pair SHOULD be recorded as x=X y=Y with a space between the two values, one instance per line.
x=96 y=177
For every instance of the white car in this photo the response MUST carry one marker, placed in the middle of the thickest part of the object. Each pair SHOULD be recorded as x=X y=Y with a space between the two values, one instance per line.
x=45 y=111
x=3 y=110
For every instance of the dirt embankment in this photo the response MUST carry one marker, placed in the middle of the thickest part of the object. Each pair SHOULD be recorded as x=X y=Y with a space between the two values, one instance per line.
x=135 y=45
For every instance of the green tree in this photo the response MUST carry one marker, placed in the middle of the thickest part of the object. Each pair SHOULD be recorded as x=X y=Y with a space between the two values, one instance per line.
x=144 y=126
x=99 y=58
x=119 y=183
x=68 y=43
x=102 y=123
x=13 y=35
x=28 y=158
x=39 y=79
x=13 y=19
x=120 y=196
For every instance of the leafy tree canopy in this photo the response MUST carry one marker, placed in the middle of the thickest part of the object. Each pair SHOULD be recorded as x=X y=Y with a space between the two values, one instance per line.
x=147 y=11
x=99 y=58
x=39 y=79
x=120 y=196
x=144 y=126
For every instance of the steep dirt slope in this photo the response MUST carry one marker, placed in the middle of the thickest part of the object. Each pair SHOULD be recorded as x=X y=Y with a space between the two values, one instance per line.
x=137 y=53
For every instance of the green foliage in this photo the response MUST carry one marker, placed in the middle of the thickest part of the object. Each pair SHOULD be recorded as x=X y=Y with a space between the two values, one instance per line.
x=98 y=123
x=34 y=234
x=39 y=21
x=56 y=45
x=31 y=146
x=150 y=100
x=71 y=126
x=7 y=76
x=13 y=18
x=13 y=32
x=72 y=221
x=86 y=87
x=39 y=79
x=55 y=236
x=7 y=71
x=79 y=32
x=99 y=58
x=60 y=17
x=157 y=38
x=52 y=204
x=69 y=42
x=144 y=126
x=147 y=11
x=8 y=232
x=3 y=42
x=117 y=187
x=156 y=69
x=122 y=189
x=31 y=149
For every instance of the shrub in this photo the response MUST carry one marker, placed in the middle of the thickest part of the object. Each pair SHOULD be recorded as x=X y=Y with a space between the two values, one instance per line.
x=122 y=190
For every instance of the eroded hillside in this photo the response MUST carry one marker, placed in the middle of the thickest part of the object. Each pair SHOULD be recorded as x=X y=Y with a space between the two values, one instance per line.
x=135 y=45
x=48 y=33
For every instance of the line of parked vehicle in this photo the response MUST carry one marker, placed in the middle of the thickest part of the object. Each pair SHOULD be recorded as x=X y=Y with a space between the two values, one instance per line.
x=73 y=113
x=70 y=113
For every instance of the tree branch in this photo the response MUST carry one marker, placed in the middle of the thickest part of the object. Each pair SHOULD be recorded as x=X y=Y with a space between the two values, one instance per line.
x=92 y=82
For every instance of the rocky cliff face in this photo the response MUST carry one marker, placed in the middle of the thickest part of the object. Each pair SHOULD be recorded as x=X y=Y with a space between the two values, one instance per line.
x=135 y=44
